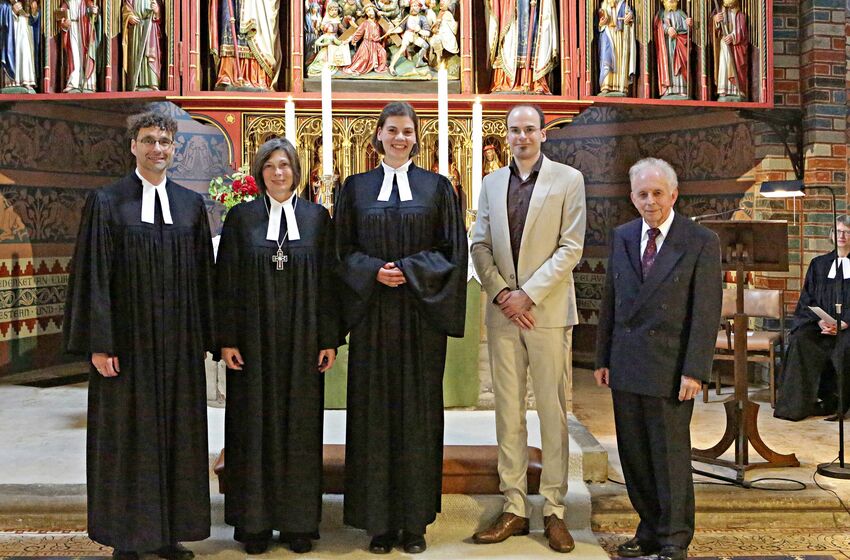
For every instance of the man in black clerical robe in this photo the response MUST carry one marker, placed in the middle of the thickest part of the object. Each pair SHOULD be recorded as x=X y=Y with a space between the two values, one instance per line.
x=139 y=304
x=808 y=385
x=394 y=440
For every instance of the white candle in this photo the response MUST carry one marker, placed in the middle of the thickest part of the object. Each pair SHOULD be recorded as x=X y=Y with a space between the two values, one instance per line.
x=327 y=125
x=289 y=121
x=477 y=149
x=443 y=119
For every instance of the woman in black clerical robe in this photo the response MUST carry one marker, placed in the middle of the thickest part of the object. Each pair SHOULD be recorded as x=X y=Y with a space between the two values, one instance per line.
x=402 y=254
x=808 y=384
x=278 y=334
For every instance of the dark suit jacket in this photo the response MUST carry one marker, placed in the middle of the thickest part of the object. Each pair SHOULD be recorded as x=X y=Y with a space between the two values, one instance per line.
x=652 y=332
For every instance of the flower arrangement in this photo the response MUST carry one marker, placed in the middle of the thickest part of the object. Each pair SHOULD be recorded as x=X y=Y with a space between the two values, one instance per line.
x=233 y=189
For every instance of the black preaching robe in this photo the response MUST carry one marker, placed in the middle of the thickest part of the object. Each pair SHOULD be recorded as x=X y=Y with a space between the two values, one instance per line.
x=142 y=292
x=394 y=439
x=279 y=320
x=811 y=360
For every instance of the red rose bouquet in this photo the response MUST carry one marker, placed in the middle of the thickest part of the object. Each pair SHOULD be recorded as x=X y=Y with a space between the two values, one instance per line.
x=232 y=189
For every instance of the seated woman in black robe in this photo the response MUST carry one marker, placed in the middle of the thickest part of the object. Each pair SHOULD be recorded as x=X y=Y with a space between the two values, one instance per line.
x=808 y=385
x=278 y=335
x=403 y=259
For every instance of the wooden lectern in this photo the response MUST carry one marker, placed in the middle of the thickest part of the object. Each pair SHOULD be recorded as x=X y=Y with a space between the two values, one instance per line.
x=746 y=245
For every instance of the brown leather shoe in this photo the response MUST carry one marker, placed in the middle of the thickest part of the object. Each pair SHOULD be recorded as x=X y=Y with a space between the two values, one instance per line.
x=560 y=539
x=507 y=525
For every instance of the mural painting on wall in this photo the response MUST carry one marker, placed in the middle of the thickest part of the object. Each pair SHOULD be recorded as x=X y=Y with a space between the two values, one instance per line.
x=382 y=39
x=20 y=38
x=522 y=45
x=245 y=43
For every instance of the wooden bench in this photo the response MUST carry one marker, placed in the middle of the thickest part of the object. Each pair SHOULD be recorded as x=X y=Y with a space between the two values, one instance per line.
x=467 y=469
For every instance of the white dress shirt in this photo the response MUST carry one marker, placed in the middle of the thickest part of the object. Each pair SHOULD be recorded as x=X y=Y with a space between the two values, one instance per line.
x=659 y=240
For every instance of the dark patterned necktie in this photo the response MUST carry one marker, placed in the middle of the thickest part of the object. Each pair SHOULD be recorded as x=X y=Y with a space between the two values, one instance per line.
x=650 y=252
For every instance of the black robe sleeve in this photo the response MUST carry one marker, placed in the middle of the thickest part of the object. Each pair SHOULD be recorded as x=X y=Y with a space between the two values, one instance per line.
x=206 y=279
x=330 y=328
x=357 y=269
x=438 y=276
x=88 y=305
x=227 y=282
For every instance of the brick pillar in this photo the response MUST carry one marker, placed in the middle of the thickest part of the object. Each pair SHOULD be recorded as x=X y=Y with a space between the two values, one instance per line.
x=813 y=78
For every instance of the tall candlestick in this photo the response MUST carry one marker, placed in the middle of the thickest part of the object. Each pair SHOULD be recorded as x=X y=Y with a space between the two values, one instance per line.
x=327 y=125
x=289 y=121
x=477 y=150
x=443 y=119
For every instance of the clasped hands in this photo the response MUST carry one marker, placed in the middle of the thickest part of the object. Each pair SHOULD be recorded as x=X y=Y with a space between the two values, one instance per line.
x=689 y=387
x=391 y=275
x=826 y=328
x=516 y=307
x=233 y=359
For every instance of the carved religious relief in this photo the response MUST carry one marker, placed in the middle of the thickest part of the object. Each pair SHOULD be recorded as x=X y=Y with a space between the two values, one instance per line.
x=142 y=33
x=245 y=43
x=522 y=45
x=616 y=47
x=20 y=40
x=80 y=26
x=672 y=32
x=730 y=40
x=382 y=39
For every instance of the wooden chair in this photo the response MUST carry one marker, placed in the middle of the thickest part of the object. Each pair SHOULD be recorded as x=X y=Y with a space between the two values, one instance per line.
x=761 y=345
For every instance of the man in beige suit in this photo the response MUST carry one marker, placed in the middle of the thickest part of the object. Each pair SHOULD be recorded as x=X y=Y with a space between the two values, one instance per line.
x=527 y=239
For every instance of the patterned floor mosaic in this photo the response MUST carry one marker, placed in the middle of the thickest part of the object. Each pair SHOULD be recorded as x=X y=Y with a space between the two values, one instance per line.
x=764 y=545
x=707 y=545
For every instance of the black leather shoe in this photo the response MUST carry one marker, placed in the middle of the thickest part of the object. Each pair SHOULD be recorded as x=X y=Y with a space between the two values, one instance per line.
x=125 y=555
x=834 y=417
x=413 y=543
x=383 y=544
x=635 y=548
x=300 y=545
x=670 y=552
x=175 y=551
x=256 y=546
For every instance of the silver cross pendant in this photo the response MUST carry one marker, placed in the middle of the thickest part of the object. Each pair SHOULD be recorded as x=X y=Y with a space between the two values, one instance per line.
x=279 y=258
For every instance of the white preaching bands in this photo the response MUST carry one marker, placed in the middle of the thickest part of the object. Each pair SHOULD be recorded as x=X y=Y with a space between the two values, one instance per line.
x=277 y=208
x=400 y=174
x=845 y=267
x=149 y=190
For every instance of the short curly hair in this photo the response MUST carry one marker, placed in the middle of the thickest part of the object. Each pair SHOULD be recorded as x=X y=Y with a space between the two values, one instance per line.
x=150 y=120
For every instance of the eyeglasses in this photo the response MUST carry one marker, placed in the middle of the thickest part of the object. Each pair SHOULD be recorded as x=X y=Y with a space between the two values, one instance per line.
x=843 y=233
x=150 y=142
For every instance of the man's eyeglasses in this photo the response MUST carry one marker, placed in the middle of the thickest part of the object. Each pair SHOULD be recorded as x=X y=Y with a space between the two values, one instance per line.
x=843 y=233
x=150 y=142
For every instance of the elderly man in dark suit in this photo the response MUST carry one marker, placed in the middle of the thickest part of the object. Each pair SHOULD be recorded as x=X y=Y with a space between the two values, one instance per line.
x=655 y=343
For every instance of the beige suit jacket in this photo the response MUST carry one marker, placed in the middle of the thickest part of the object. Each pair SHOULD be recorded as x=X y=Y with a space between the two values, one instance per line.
x=552 y=242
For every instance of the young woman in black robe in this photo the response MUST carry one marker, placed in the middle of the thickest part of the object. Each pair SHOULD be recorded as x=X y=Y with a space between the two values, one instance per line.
x=808 y=384
x=402 y=254
x=278 y=335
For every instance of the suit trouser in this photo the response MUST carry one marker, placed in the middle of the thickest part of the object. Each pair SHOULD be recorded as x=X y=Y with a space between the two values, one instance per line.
x=544 y=355
x=654 y=441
